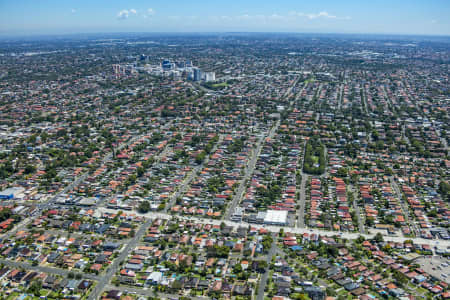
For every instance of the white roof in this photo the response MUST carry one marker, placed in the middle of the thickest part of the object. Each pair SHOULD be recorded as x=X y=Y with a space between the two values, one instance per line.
x=12 y=190
x=155 y=276
x=276 y=216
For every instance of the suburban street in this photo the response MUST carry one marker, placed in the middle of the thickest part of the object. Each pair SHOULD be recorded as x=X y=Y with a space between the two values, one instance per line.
x=301 y=211
x=249 y=171
x=181 y=189
x=357 y=211
x=404 y=206
x=50 y=270
x=252 y=161
x=443 y=140
x=114 y=267
x=264 y=277
x=302 y=201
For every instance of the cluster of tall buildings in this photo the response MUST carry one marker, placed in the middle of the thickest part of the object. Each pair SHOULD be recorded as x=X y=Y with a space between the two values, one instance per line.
x=179 y=69
x=123 y=70
x=187 y=70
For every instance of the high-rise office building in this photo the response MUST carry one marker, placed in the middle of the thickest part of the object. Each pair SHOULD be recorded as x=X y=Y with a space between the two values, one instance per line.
x=197 y=74
x=166 y=65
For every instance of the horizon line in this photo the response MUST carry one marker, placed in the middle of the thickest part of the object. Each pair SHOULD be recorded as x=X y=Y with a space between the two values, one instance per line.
x=35 y=35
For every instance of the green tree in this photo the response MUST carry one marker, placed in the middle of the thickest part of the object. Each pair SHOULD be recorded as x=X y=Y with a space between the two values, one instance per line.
x=378 y=238
x=140 y=171
x=144 y=207
x=35 y=288
x=342 y=172
x=444 y=190
x=29 y=169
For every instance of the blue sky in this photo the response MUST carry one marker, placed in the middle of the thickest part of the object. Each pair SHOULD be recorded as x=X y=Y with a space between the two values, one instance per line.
x=429 y=17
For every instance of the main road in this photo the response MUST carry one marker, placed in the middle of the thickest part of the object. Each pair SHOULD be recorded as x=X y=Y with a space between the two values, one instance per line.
x=295 y=230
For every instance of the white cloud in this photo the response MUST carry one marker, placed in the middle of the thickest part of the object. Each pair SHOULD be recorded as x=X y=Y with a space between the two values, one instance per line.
x=322 y=14
x=251 y=18
x=125 y=13
x=73 y=10
x=434 y=21
x=292 y=18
